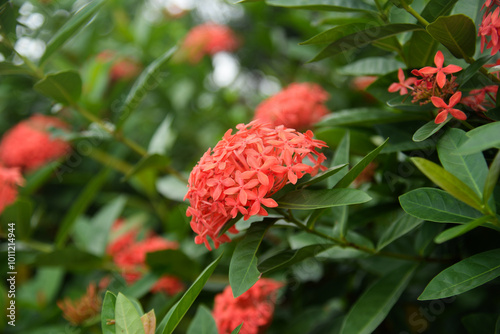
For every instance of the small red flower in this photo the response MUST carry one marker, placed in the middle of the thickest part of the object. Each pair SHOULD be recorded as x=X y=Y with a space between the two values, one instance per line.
x=10 y=179
x=448 y=108
x=254 y=308
x=29 y=146
x=403 y=85
x=439 y=70
x=490 y=26
x=299 y=106
x=122 y=68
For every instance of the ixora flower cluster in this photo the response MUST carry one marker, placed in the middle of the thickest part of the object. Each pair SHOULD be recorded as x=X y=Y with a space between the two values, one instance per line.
x=24 y=148
x=254 y=308
x=242 y=171
x=490 y=26
x=208 y=39
x=435 y=87
x=299 y=106
x=129 y=255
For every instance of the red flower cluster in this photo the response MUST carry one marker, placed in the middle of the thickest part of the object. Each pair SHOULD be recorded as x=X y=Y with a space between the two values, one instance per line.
x=123 y=68
x=29 y=146
x=10 y=179
x=208 y=39
x=254 y=308
x=477 y=99
x=130 y=256
x=299 y=106
x=77 y=311
x=241 y=173
x=490 y=27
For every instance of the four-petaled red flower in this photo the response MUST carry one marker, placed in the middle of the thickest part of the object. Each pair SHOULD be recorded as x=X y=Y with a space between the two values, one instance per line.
x=440 y=70
x=403 y=85
x=242 y=172
x=448 y=108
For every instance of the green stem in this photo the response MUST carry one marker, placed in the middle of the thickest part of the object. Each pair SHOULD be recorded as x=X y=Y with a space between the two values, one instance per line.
x=414 y=13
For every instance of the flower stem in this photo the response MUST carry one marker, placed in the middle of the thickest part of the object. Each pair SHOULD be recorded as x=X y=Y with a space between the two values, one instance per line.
x=414 y=13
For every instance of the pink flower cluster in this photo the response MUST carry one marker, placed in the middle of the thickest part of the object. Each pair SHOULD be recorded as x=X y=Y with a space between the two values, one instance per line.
x=254 y=308
x=241 y=173
x=490 y=26
x=130 y=256
x=208 y=39
x=299 y=106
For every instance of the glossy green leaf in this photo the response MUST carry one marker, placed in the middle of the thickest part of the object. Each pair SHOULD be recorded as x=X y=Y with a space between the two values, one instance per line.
x=365 y=117
x=437 y=205
x=464 y=276
x=491 y=178
x=108 y=313
x=316 y=199
x=237 y=329
x=333 y=34
x=163 y=137
x=7 y=68
x=127 y=319
x=69 y=29
x=457 y=33
x=148 y=161
x=448 y=182
x=466 y=74
x=420 y=50
x=457 y=231
x=322 y=176
x=471 y=169
x=403 y=103
x=437 y=8
x=363 y=38
x=80 y=205
x=149 y=79
x=290 y=257
x=376 y=302
x=341 y=156
x=203 y=322
x=401 y=226
x=173 y=261
x=428 y=129
x=371 y=66
x=328 y=5
x=360 y=166
x=64 y=87
x=70 y=258
x=149 y=322
x=177 y=312
x=243 y=272
x=481 y=138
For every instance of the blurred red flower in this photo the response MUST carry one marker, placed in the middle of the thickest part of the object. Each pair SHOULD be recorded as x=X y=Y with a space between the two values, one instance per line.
x=10 y=179
x=77 y=311
x=122 y=68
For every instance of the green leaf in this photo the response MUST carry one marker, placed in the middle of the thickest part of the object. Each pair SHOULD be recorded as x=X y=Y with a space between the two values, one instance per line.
x=437 y=8
x=203 y=322
x=142 y=286
x=70 y=258
x=448 y=182
x=7 y=68
x=491 y=178
x=456 y=32
x=173 y=261
x=371 y=66
x=328 y=5
x=363 y=38
x=401 y=226
x=148 y=161
x=464 y=76
x=108 y=313
x=64 y=87
x=464 y=276
x=471 y=169
x=376 y=302
x=177 y=312
x=127 y=319
x=398 y=3
x=80 y=205
x=403 y=103
x=78 y=20
x=359 y=167
x=322 y=176
x=20 y=212
x=341 y=156
x=163 y=137
x=290 y=257
x=148 y=79
x=237 y=329
x=37 y=178
x=335 y=33
x=436 y=205
x=428 y=129
x=420 y=49
x=457 y=231
x=316 y=199
x=482 y=138
x=243 y=272
x=365 y=117
x=171 y=187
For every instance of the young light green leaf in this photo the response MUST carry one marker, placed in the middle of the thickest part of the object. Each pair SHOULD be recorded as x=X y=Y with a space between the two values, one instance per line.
x=448 y=182
x=437 y=205
x=404 y=224
x=149 y=322
x=163 y=137
x=428 y=129
x=471 y=169
x=316 y=199
x=456 y=32
x=290 y=257
x=127 y=319
x=360 y=166
x=237 y=329
x=78 y=20
x=341 y=156
x=64 y=87
x=322 y=176
x=363 y=38
x=481 y=138
x=491 y=178
x=243 y=272
x=177 y=312
x=464 y=276
x=203 y=322
x=457 y=231
x=376 y=302
x=108 y=313
x=148 y=79
x=327 y=5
